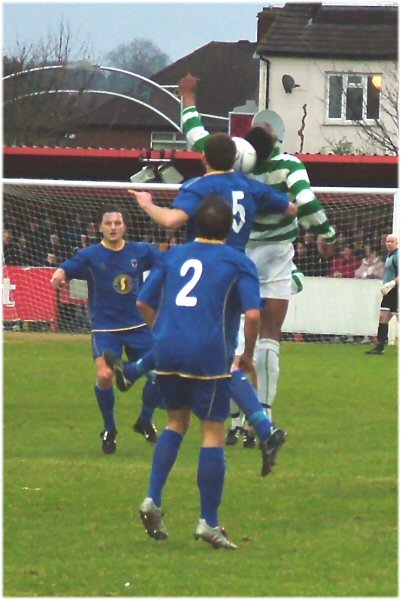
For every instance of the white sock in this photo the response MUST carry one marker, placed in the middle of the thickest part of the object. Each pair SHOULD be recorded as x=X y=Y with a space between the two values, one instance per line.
x=234 y=410
x=267 y=370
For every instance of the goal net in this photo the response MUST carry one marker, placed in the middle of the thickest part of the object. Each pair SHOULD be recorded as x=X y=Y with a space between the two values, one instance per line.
x=45 y=221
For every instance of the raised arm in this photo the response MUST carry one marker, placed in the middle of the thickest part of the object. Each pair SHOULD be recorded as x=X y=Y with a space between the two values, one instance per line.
x=196 y=134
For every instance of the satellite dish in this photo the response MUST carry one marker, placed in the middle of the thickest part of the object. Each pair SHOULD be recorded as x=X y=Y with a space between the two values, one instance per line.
x=288 y=83
x=272 y=118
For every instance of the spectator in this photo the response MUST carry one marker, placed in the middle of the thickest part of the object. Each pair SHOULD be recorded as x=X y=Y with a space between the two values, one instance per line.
x=35 y=243
x=51 y=260
x=359 y=244
x=93 y=234
x=383 y=247
x=11 y=250
x=344 y=264
x=300 y=257
x=73 y=234
x=372 y=266
x=49 y=225
x=26 y=258
x=55 y=248
x=172 y=241
x=84 y=242
x=342 y=241
x=308 y=259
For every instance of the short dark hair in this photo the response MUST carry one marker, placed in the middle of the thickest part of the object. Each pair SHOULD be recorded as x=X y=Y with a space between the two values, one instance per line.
x=220 y=151
x=214 y=218
x=262 y=142
x=110 y=208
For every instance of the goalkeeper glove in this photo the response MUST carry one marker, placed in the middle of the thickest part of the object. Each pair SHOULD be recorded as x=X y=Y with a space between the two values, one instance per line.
x=387 y=287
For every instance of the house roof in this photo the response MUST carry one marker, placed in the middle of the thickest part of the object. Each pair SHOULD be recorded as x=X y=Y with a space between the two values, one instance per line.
x=310 y=29
x=220 y=66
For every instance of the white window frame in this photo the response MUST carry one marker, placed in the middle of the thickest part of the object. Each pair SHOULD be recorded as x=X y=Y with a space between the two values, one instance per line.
x=168 y=140
x=345 y=86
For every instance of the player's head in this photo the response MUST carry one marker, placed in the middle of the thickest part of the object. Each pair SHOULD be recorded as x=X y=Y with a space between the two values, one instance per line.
x=112 y=224
x=267 y=130
x=263 y=138
x=214 y=218
x=391 y=242
x=220 y=152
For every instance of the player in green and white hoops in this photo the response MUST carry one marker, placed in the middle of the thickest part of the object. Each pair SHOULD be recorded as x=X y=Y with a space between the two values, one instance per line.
x=270 y=244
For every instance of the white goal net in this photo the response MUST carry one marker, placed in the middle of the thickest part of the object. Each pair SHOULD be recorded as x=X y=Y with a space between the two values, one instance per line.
x=45 y=221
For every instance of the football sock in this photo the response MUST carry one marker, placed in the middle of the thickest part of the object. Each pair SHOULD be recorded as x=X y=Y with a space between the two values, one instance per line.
x=382 y=335
x=211 y=471
x=105 y=400
x=151 y=399
x=236 y=420
x=164 y=457
x=248 y=401
x=135 y=370
x=235 y=415
x=267 y=370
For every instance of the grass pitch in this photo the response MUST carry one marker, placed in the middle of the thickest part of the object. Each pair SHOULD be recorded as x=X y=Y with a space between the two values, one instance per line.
x=323 y=524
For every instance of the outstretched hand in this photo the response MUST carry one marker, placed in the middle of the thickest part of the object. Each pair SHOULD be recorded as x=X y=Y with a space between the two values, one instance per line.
x=143 y=198
x=387 y=287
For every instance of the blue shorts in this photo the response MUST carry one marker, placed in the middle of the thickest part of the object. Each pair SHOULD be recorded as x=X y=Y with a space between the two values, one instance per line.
x=209 y=399
x=135 y=342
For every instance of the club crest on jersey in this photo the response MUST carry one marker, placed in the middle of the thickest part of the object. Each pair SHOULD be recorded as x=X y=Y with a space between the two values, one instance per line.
x=134 y=263
x=123 y=284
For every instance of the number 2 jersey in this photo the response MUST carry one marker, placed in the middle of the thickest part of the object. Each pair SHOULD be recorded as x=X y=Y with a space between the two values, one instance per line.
x=199 y=290
x=247 y=197
x=114 y=278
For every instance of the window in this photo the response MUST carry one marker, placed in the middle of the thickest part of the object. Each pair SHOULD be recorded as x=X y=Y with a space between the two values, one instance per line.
x=353 y=97
x=168 y=140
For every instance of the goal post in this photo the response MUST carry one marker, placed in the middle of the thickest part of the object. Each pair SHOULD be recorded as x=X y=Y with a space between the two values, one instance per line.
x=44 y=221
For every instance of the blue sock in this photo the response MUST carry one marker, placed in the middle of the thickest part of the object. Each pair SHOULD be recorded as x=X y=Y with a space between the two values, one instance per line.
x=211 y=471
x=134 y=370
x=164 y=457
x=105 y=400
x=151 y=399
x=246 y=398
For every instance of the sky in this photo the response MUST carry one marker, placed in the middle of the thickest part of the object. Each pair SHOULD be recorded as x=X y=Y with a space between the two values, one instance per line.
x=176 y=28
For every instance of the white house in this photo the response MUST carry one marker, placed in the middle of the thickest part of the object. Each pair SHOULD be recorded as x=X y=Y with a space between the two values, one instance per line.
x=328 y=70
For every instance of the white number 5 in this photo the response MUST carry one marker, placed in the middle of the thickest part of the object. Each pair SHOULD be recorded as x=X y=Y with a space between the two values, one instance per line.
x=238 y=211
x=183 y=299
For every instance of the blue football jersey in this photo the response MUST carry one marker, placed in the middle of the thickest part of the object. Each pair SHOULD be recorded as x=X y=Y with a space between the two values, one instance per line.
x=199 y=290
x=248 y=197
x=114 y=278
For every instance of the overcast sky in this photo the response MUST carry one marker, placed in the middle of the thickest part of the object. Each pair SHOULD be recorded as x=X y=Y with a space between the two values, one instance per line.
x=177 y=28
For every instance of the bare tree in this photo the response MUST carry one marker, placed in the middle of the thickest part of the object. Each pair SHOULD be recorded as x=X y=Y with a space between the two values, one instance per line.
x=35 y=112
x=383 y=134
x=141 y=56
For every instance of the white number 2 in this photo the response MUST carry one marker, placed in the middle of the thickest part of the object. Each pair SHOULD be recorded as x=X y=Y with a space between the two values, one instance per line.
x=183 y=298
x=238 y=211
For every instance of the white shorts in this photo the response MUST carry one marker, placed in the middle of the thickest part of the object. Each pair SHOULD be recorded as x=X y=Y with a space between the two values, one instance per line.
x=274 y=265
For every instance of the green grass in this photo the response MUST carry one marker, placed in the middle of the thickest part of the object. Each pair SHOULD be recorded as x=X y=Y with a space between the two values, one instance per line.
x=323 y=524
